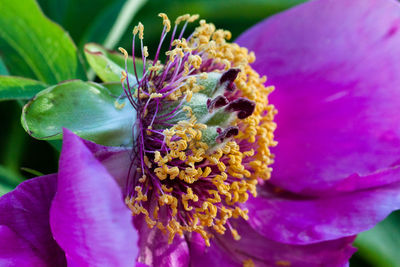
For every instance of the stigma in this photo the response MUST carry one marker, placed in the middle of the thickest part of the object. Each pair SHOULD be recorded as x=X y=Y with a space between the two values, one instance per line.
x=203 y=131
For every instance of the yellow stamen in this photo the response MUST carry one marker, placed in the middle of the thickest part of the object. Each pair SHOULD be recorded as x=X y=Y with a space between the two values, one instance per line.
x=166 y=21
x=145 y=51
x=141 y=30
x=123 y=51
x=123 y=76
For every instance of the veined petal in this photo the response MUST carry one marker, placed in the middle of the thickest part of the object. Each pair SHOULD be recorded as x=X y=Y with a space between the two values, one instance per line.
x=25 y=213
x=117 y=160
x=15 y=251
x=154 y=247
x=215 y=255
x=88 y=216
x=292 y=219
x=335 y=64
x=264 y=252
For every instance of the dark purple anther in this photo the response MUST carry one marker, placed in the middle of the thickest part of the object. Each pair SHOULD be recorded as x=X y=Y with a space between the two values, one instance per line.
x=228 y=77
x=227 y=133
x=231 y=87
x=244 y=106
x=218 y=102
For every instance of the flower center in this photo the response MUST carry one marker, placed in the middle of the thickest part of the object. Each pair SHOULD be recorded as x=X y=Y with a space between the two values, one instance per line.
x=202 y=135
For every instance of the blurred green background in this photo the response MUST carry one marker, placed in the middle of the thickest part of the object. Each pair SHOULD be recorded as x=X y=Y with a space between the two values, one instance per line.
x=110 y=22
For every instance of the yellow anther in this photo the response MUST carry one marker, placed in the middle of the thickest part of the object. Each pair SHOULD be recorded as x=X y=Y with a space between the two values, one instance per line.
x=235 y=234
x=166 y=189
x=156 y=67
x=123 y=76
x=206 y=172
x=195 y=61
x=146 y=51
x=141 y=30
x=166 y=21
x=140 y=196
x=216 y=198
x=193 y=18
x=155 y=212
x=147 y=162
x=173 y=172
x=157 y=156
x=189 y=95
x=155 y=95
x=160 y=173
x=118 y=105
x=221 y=166
x=142 y=179
x=135 y=30
x=123 y=51
x=189 y=110
x=182 y=18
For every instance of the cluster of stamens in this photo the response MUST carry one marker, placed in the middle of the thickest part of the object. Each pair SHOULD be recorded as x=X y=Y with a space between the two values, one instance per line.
x=202 y=133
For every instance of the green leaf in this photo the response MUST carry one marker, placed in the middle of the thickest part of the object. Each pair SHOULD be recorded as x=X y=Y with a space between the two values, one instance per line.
x=380 y=245
x=9 y=177
x=4 y=189
x=8 y=180
x=101 y=24
x=88 y=109
x=95 y=18
x=19 y=88
x=109 y=65
x=40 y=44
x=3 y=68
x=115 y=88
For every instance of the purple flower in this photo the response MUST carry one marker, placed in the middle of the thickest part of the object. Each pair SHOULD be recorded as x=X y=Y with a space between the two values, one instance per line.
x=335 y=64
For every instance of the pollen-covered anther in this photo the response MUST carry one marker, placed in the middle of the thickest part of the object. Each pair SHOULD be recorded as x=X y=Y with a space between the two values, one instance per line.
x=243 y=106
x=182 y=18
x=123 y=76
x=140 y=28
x=145 y=51
x=195 y=61
x=166 y=21
x=123 y=51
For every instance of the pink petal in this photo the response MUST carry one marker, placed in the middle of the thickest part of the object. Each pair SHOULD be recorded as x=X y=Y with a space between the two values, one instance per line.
x=264 y=252
x=15 y=251
x=335 y=65
x=88 y=216
x=25 y=214
x=117 y=160
x=155 y=250
x=215 y=255
x=292 y=219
